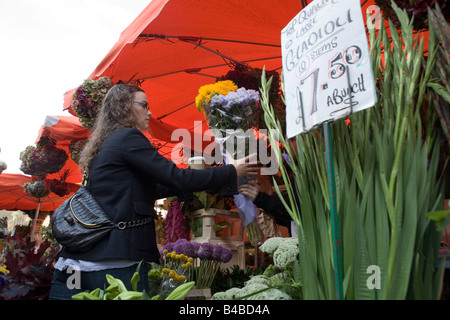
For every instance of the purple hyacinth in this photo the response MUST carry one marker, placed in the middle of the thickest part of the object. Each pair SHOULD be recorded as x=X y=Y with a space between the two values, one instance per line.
x=226 y=255
x=217 y=251
x=205 y=250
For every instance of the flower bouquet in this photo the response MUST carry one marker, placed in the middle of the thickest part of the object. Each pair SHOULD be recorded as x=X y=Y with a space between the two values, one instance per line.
x=87 y=99
x=232 y=114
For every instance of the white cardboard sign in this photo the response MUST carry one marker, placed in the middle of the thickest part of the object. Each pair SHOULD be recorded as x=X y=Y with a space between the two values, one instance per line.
x=326 y=65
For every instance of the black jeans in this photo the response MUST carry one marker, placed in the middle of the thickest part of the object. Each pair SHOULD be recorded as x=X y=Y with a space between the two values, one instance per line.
x=64 y=285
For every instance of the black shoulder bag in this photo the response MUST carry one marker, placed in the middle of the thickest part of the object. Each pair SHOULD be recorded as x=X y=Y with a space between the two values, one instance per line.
x=80 y=222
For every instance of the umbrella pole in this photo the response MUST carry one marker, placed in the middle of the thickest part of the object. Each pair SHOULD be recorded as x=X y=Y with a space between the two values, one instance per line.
x=36 y=216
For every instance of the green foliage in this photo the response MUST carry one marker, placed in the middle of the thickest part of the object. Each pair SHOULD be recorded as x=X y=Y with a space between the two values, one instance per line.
x=118 y=291
x=387 y=181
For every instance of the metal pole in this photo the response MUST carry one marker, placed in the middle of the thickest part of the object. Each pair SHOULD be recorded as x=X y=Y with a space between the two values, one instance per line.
x=338 y=274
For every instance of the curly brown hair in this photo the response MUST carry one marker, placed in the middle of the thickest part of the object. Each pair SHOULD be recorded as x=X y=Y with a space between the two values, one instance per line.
x=116 y=113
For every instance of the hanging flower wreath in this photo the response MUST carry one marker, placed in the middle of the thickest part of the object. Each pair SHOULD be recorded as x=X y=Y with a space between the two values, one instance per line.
x=37 y=188
x=87 y=100
x=43 y=159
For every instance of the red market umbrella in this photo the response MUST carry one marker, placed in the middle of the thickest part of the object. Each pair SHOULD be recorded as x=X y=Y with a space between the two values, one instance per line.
x=13 y=196
x=62 y=130
x=174 y=47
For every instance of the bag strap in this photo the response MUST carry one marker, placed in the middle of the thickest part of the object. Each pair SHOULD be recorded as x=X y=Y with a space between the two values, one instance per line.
x=120 y=225
x=84 y=180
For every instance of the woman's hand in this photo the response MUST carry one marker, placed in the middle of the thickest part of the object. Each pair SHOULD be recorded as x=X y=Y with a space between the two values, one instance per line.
x=249 y=189
x=247 y=166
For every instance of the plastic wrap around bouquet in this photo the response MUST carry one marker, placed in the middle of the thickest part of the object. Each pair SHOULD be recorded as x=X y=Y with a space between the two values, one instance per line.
x=232 y=115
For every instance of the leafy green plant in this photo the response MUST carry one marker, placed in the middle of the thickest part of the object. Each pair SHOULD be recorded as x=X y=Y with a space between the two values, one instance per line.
x=118 y=291
x=387 y=180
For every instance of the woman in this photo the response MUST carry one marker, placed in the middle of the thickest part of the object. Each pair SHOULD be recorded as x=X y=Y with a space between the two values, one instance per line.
x=126 y=174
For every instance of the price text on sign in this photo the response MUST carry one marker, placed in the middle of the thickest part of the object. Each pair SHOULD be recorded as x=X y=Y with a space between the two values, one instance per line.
x=326 y=64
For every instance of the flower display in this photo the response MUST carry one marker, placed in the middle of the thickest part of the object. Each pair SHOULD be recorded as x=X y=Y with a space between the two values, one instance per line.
x=176 y=223
x=250 y=78
x=175 y=270
x=206 y=259
x=231 y=116
x=207 y=91
x=43 y=159
x=87 y=99
x=59 y=187
x=417 y=9
x=37 y=188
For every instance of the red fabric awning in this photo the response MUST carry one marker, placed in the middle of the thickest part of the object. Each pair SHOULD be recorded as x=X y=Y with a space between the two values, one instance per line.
x=13 y=196
x=174 y=47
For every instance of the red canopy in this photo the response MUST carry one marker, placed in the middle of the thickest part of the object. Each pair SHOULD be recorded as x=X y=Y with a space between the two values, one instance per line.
x=62 y=130
x=13 y=197
x=174 y=47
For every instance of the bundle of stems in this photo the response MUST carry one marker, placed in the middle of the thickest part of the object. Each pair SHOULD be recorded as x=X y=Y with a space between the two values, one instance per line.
x=387 y=180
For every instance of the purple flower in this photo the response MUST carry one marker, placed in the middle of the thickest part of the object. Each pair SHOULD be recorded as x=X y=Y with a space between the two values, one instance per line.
x=205 y=250
x=217 y=251
x=195 y=248
x=183 y=246
x=286 y=157
x=169 y=247
x=226 y=255
x=179 y=245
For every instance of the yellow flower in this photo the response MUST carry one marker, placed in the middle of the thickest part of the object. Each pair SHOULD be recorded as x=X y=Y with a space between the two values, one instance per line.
x=165 y=270
x=4 y=270
x=165 y=251
x=181 y=278
x=191 y=260
x=207 y=91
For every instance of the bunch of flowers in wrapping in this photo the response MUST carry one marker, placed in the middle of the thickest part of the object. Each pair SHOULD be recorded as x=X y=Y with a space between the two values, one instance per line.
x=232 y=113
x=207 y=259
x=87 y=99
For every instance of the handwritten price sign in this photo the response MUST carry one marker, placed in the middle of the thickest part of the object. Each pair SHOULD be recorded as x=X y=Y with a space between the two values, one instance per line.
x=326 y=65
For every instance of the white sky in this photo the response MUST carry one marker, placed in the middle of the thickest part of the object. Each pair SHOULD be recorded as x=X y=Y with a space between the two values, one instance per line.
x=48 y=47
